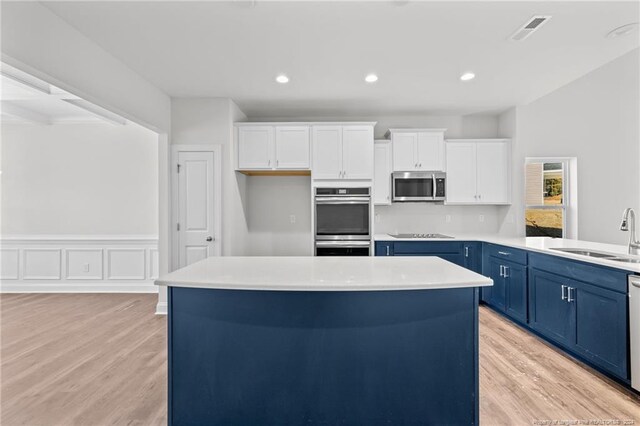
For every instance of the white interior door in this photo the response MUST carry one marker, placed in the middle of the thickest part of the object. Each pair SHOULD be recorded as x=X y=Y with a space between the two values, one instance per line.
x=461 y=173
x=196 y=214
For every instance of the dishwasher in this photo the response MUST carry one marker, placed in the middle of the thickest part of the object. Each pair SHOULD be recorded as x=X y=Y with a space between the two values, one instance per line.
x=634 y=329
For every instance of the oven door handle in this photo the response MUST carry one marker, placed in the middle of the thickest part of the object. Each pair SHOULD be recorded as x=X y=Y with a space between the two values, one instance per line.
x=343 y=200
x=346 y=244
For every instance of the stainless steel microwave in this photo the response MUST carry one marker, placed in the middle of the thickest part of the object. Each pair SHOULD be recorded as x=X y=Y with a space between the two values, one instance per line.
x=418 y=186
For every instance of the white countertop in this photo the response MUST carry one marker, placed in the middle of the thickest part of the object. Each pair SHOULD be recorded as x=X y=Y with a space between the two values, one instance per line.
x=541 y=245
x=324 y=274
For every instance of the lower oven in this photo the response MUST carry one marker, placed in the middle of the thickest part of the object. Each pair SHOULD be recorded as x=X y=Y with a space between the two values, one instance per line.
x=342 y=221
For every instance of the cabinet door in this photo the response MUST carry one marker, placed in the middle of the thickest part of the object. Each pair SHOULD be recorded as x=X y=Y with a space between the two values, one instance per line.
x=461 y=172
x=382 y=173
x=515 y=277
x=472 y=257
x=549 y=313
x=357 y=152
x=327 y=152
x=292 y=147
x=601 y=326
x=498 y=292
x=493 y=172
x=431 y=151
x=255 y=147
x=384 y=248
x=405 y=152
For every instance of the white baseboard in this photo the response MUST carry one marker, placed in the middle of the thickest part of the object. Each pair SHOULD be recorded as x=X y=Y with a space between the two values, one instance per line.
x=82 y=264
x=77 y=288
x=162 y=308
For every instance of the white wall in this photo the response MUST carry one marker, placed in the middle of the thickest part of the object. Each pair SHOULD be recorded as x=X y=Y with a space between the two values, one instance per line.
x=596 y=119
x=79 y=179
x=202 y=121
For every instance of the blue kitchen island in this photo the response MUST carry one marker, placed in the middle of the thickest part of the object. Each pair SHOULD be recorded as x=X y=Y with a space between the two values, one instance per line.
x=323 y=341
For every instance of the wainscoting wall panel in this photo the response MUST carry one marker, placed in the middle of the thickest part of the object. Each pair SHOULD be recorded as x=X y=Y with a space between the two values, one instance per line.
x=70 y=263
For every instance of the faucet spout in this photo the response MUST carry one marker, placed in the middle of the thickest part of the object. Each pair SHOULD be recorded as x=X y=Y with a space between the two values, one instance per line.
x=629 y=224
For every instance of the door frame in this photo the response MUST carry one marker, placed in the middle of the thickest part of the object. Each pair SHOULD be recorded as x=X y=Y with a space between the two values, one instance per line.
x=217 y=197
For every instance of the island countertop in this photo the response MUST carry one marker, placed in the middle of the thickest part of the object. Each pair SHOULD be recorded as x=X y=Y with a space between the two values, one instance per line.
x=324 y=274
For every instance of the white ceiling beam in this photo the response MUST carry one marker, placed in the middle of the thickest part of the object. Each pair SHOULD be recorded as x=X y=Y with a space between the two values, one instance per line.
x=99 y=112
x=31 y=84
x=12 y=110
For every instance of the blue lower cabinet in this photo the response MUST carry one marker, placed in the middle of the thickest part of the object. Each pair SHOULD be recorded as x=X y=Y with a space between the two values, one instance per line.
x=601 y=327
x=498 y=291
x=588 y=320
x=384 y=248
x=515 y=278
x=473 y=256
x=549 y=312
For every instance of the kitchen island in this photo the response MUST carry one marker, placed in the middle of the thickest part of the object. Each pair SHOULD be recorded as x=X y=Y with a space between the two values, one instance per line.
x=323 y=340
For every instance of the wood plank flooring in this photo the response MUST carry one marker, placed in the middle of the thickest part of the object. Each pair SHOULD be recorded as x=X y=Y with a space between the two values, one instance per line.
x=100 y=359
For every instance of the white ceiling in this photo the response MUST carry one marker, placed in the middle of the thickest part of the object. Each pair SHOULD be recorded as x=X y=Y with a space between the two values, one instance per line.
x=26 y=99
x=418 y=49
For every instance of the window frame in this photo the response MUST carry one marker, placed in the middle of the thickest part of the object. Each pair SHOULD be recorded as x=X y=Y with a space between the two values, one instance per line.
x=569 y=193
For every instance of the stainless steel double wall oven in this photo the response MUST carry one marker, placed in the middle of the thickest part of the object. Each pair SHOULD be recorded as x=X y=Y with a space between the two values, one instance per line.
x=342 y=221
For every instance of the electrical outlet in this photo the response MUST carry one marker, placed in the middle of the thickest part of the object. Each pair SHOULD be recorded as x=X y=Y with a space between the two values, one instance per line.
x=447 y=218
x=292 y=218
x=481 y=218
x=85 y=267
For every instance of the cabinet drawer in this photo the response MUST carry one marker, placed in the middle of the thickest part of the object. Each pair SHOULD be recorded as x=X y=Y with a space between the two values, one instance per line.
x=601 y=276
x=428 y=247
x=506 y=253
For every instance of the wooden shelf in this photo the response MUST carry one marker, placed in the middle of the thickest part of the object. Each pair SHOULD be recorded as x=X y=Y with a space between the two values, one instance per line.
x=275 y=172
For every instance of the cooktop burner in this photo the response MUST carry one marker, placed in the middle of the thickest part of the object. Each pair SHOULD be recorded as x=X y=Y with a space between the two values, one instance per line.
x=420 y=236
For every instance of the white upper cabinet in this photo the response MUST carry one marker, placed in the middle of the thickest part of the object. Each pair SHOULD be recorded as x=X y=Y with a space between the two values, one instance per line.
x=418 y=149
x=342 y=152
x=357 y=152
x=382 y=173
x=478 y=171
x=327 y=152
x=255 y=147
x=272 y=147
x=292 y=147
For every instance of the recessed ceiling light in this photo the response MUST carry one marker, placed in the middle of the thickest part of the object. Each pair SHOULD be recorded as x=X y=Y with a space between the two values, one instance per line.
x=282 y=79
x=467 y=76
x=371 y=78
x=623 y=30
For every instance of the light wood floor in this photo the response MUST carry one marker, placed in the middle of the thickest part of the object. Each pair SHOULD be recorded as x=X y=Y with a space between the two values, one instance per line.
x=98 y=359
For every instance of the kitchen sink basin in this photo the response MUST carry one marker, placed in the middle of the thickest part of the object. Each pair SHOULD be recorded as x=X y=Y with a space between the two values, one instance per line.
x=584 y=252
x=598 y=254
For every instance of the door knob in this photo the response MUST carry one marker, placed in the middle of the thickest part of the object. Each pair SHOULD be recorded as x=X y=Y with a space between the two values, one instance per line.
x=209 y=238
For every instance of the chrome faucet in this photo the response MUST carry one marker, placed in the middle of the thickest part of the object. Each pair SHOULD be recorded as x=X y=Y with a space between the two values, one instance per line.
x=629 y=224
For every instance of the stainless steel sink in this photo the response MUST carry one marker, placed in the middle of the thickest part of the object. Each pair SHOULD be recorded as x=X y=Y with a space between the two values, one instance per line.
x=625 y=260
x=583 y=252
x=599 y=255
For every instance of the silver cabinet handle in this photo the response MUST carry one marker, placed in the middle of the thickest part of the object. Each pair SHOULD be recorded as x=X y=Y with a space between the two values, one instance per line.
x=501 y=273
x=209 y=238
x=277 y=163
x=506 y=268
x=466 y=252
x=569 y=299
x=504 y=253
x=416 y=165
x=564 y=287
x=387 y=250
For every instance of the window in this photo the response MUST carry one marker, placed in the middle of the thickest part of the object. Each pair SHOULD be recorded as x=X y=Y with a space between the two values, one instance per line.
x=547 y=198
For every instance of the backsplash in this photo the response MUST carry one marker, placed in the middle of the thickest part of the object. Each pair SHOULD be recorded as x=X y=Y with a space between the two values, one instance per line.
x=433 y=218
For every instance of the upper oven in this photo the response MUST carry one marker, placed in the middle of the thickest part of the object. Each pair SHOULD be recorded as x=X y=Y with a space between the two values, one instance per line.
x=343 y=213
x=418 y=186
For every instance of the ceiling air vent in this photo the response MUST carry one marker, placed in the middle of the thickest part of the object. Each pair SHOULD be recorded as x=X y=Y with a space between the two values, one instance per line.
x=532 y=25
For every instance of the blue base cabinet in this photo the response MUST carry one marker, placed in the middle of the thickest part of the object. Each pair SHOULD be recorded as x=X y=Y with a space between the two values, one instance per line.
x=580 y=307
x=507 y=268
x=587 y=316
